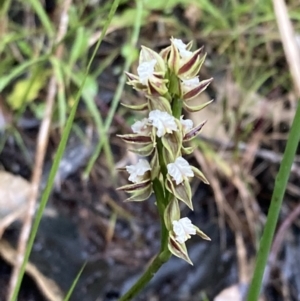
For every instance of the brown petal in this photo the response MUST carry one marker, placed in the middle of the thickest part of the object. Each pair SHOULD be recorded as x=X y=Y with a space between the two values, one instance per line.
x=174 y=59
x=148 y=54
x=197 y=90
x=178 y=249
x=136 y=139
x=141 y=195
x=194 y=132
x=165 y=53
x=131 y=76
x=135 y=186
x=188 y=65
x=157 y=87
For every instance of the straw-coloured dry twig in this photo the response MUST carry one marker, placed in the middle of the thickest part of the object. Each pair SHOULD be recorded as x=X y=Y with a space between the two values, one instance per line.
x=42 y=143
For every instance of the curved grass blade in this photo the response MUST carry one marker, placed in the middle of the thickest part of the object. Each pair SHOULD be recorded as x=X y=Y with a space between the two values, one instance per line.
x=58 y=156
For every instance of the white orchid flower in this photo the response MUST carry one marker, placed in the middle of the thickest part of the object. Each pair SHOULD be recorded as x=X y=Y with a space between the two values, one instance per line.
x=184 y=53
x=183 y=229
x=189 y=84
x=145 y=70
x=163 y=122
x=179 y=170
x=187 y=124
x=138 y=170
x=141 y=126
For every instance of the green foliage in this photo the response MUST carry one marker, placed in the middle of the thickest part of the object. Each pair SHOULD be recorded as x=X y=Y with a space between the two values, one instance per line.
x=238 y=34
x=26 y=90
x=59 y=155
x=275 y=206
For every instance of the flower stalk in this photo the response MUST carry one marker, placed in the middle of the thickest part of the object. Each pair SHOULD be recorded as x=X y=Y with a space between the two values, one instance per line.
x=169 y=80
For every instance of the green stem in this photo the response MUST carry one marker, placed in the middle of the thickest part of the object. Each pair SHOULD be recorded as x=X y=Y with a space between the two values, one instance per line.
x=164 y=170
x=158 y=261
x=161 y=160
x=278 y=193
x=159 y=192
x=177 y=107
x=119 y=91
x=164 y=253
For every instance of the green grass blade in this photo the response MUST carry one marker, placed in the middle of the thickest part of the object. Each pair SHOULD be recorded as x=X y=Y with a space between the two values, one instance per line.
x=119 y=90
x=88 y=95
x=61 y=95
x=274 y=210
x=38 y=8
x=68 y=296
x=8 y=78
x=58 y=156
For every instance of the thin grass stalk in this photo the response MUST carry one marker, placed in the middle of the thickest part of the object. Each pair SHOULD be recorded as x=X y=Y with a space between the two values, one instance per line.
x=45 y=20
x=119 y=90
x=274 y=210
x=74 y=283
x=58 y=157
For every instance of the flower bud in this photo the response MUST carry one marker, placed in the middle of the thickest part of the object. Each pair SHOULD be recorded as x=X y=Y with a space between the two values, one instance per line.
x=172 y=213
x=182 y=191
x=151 y=72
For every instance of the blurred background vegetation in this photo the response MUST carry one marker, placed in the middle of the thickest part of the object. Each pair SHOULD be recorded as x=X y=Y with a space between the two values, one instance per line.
x=43 y=60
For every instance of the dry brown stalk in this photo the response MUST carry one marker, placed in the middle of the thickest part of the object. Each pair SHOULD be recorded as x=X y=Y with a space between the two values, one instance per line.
x=223 y=206
x=278 y=241
x=288 y=39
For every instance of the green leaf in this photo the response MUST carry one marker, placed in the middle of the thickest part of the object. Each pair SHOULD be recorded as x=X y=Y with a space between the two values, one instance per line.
x=25 y=91
x=80 y=45
x=57 y=158
x=162 y=5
